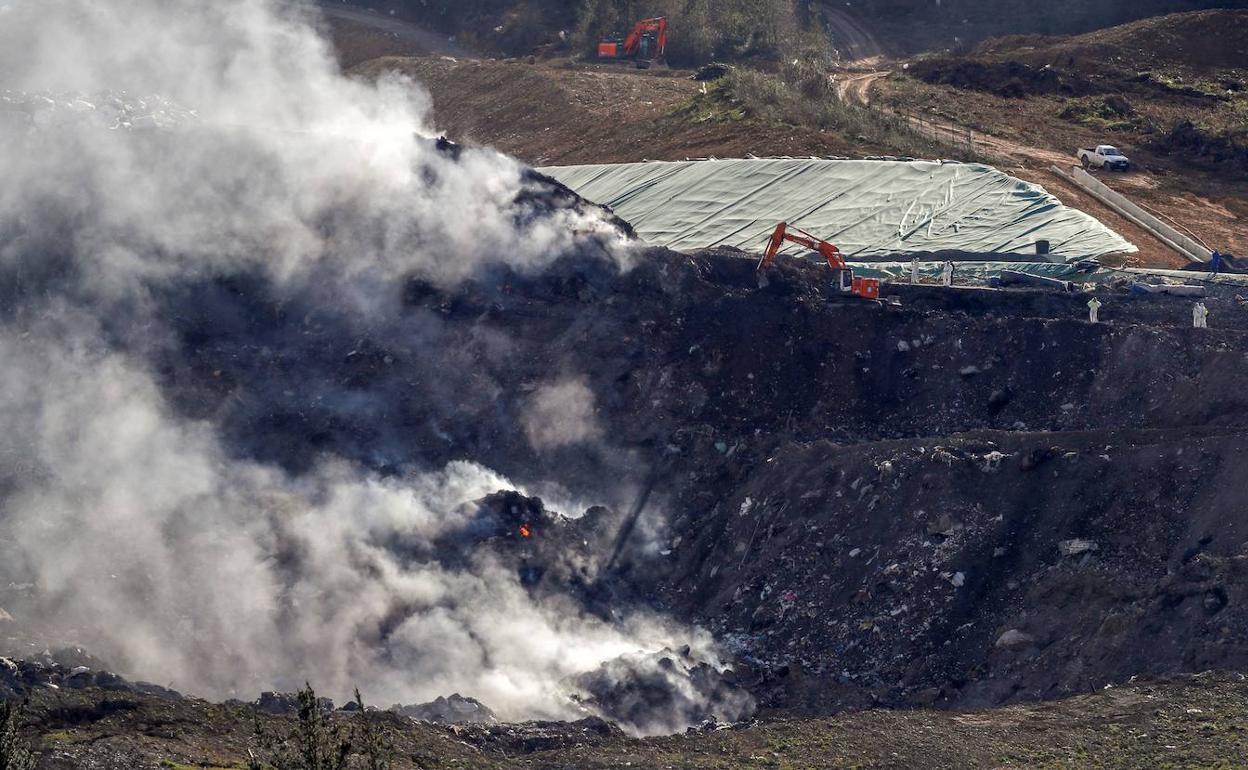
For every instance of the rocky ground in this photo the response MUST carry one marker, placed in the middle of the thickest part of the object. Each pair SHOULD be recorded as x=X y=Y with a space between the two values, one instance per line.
x=1193 y=721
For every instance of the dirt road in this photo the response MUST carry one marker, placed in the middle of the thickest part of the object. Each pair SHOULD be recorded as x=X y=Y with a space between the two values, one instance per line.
x=857 y=87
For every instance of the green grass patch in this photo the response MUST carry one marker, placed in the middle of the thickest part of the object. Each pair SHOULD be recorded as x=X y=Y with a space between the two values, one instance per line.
x=59 y=736
x=1104 y=113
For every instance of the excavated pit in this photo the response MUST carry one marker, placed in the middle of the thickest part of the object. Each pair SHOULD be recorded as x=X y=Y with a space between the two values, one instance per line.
x=866 y=502
x=955 y=497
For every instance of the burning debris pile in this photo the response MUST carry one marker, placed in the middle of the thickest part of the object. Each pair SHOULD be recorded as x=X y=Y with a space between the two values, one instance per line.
x=237 y=450
x=453 y=710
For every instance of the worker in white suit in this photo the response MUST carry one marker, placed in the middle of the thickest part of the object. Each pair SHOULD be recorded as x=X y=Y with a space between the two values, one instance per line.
x=1200 y=315
x=1094 y=309
x=914 y=270
x=946 y=273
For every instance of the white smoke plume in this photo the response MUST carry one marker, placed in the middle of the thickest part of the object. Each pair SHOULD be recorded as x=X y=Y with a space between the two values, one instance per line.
x=148 y=143
x=560 y=414
x=227 y=577
x=270 y=158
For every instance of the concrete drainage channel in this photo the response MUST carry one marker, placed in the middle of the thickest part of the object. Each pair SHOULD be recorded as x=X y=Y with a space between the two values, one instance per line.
x=1184 y=245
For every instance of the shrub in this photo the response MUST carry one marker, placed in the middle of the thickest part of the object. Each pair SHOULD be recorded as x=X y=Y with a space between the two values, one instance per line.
x=316 y=743
x=802 y=94
x=15 y=754
x=1225 y=149
x=1111 y=113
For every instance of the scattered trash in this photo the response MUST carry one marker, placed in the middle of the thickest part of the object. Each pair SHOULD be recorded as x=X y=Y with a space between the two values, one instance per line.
x=1076 y=546
x=1014 y=639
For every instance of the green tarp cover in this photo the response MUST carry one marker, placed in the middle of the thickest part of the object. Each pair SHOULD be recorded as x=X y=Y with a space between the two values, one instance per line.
x=871 y=209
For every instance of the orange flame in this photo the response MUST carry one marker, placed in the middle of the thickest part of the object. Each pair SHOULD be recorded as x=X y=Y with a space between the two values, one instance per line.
x=525 y=531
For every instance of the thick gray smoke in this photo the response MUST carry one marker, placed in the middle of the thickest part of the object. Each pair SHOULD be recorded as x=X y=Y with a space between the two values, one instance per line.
x=151 y=143
x=269 y=157
x=227 y=577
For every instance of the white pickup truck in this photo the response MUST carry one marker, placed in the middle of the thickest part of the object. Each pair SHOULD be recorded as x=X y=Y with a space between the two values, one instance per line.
x=1104 y=156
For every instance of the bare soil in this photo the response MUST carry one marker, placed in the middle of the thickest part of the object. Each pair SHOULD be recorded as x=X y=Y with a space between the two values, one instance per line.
x=1162 y=72
x=552 y=113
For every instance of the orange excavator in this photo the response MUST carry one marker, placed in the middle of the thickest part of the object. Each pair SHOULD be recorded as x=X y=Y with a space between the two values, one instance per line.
x=645 y=44
x=843 y=275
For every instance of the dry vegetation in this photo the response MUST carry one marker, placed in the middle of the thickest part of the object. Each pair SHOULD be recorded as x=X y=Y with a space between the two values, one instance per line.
x=1195 y=722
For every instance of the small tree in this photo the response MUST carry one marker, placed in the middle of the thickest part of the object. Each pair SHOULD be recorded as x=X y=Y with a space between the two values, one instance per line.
x=315 y=744
x=15 y=754
x=370 y=741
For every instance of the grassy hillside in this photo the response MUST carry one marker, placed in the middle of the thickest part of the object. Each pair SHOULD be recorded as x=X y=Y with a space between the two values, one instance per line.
x=1176 y=85
x=917 y=25
x=1188 y=722
x=744 y=29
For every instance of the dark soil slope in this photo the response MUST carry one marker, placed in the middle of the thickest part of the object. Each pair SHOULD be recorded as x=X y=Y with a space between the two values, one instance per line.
x=962 y=496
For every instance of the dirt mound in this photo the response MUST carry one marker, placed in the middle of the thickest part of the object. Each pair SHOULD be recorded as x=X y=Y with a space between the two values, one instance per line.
x=453 y=710
x=19 y=679
x=1200 y=40
x=1224 y=151
x=1195 y=57
x=1010 y=79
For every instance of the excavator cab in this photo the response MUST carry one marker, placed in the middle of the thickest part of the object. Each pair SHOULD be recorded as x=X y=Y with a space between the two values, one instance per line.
x=645 y=44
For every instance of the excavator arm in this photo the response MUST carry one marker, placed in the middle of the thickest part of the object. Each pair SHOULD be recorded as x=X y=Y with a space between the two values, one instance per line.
x=657 y=26
x=868 y=288
x=784 y=233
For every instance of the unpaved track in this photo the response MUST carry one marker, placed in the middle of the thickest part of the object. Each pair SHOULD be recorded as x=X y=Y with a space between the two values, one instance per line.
x=857 y=88
x=425 y=40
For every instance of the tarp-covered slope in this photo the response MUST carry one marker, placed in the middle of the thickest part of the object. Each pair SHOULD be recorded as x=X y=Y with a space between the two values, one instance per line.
x=870 y=209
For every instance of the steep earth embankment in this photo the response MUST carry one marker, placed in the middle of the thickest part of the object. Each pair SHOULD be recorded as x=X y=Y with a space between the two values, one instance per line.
x=969 y=498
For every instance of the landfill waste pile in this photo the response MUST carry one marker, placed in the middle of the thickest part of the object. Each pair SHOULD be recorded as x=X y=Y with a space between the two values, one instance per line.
x=295 y=393
x=964 y=497
x=29 y=112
